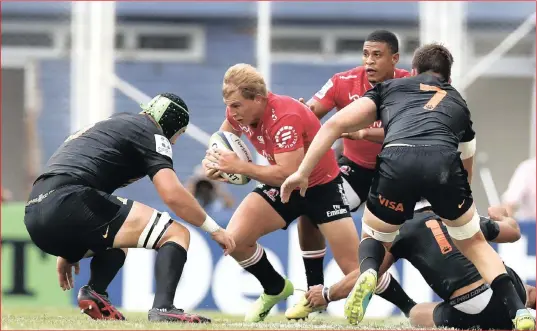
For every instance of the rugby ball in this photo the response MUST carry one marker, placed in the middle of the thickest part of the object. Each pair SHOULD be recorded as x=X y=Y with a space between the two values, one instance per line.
x=232 y=142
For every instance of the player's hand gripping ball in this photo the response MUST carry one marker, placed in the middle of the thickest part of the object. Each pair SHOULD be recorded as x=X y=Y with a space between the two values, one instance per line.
x=231 y=142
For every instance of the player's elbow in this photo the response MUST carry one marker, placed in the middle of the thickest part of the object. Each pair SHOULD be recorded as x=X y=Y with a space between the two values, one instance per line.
x=170 y=197
x=516 y=236
x=515 y=231
x=467 y=149
x=509 y=231
x=336 y=125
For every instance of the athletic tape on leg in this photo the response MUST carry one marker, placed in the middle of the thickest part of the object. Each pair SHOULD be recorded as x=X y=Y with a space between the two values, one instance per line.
x=386 y=237
x=466 y=231
x=154 y=230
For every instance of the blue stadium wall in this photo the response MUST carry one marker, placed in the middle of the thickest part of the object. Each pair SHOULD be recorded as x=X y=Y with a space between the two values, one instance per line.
x=198 y=83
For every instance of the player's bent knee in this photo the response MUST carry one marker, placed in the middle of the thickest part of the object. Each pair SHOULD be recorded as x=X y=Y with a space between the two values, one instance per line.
x=465 y=231
x=387 y=237
x=161 y=228
x=178 y=234
x=421 y=315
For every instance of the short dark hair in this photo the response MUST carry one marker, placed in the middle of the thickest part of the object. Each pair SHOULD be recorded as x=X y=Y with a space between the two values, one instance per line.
x=433 y=57
x=385 y=36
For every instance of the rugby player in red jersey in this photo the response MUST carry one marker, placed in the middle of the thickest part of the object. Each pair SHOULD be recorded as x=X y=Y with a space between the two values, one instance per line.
x=360 y=150
x=281 y=129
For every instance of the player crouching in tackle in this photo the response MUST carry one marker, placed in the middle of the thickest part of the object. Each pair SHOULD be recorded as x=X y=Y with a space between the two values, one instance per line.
x=281 y=129
x=468 y=302
x=425 y=121
x=72 y=214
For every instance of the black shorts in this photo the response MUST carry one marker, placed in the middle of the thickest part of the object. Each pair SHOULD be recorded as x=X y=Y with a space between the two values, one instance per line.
x=68 y=220
x=358 y=178
x=405 y=174
x=322 y=203
x=494 y=316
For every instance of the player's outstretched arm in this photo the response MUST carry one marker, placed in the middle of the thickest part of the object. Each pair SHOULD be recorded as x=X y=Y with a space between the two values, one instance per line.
x=176 y=196
x=275 y=175
x=356 y=116
x=375 y=135
x=184 y=205
x=507 y=228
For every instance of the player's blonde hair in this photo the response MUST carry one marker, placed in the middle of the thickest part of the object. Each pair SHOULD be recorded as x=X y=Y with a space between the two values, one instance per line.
x=246 y=79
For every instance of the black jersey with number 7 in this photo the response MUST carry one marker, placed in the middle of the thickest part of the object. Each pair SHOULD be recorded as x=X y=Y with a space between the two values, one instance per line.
x=422 y=110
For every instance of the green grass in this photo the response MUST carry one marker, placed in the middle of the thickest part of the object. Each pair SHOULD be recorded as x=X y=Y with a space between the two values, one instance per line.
x=24 y=318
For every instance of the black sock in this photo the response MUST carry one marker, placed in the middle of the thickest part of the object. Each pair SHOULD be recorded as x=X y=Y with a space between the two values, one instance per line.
x=503 y=285
x=104 y=267
x=371 y=254
x=394 y=293
x=314 y=270
x=272 y=282
x=171 y=259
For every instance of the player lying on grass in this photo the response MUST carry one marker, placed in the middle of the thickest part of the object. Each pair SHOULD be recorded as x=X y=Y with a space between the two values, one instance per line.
x=281 y=129
x=357 y=164
x=468 y=301
x=71 y=212
x=426 y=120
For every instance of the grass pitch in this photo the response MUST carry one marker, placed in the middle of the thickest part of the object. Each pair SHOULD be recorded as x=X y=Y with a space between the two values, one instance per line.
x=53 y=318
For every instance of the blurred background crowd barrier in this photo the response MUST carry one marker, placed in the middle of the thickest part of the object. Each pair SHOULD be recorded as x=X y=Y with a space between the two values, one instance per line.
x=69 y=64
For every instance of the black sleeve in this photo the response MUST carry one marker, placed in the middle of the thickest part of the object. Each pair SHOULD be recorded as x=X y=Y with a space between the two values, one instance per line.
x=399 y=248
x=153 y=149
x=375 y=95
x=469 y=133
x=490 y=229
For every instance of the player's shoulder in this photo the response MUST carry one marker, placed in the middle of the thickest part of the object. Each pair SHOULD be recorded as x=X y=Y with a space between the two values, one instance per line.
x=407 y=83
x=135 y=125
x=401 y=73
x=349 y=75
x=284 y=105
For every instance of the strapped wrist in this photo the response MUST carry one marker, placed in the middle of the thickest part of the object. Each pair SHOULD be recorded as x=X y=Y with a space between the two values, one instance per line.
x=326 y=294
x=210 y=225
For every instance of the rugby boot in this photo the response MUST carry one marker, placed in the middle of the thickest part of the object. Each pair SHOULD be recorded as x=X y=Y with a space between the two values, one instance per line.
x=174 y=314
x=262 y=306
x=524 y=320
x=301 y=310
x=97 y=305
x=358 y=300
